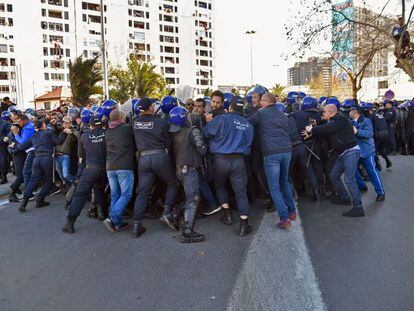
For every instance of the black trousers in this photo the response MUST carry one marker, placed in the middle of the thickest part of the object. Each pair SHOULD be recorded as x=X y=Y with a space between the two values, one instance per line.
x=93 y=177
x=42 y=169
x=4 y=160
x=18 y=160
x=300 y=156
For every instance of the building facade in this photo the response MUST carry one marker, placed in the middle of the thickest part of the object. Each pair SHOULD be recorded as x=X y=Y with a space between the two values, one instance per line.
x=303 y=72
x=38 y=43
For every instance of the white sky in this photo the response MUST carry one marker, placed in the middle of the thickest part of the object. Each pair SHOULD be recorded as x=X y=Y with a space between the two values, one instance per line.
x=268 y=17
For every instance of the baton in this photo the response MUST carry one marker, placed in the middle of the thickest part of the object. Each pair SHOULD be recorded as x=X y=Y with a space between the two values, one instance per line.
x=310 y=154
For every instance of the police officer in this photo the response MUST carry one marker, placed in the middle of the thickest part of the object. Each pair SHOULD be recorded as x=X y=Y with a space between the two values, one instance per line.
x=309 y=115
x=94 y=174
x=401 y=129
x=189 y=148
x=410 y=127
x=300 y=153
x=390 y=115
x=4 y=139
x=152 y=141
x=231 y=137
x=43 y=142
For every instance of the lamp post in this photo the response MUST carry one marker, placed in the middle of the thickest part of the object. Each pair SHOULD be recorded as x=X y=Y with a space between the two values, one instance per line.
x=251 y=33
x=103 y=49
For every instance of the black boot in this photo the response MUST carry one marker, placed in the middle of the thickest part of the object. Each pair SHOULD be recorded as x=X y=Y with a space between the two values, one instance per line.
x=137 y=229
x=13 y=198
x=317 y=195
x=322 y=193
x=354 y=212
x=41 y=203
x=227 y=217
x=378 y=164
x=22 y=207
x=101 y=214
x=388 y=161
x=188 y=235
x=92 y=211
x=245 y=228
x=3 y=180
x=69 y=226
x=168 y=217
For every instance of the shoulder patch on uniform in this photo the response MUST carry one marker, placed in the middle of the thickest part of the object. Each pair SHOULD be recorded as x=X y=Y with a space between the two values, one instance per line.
x=144 y=125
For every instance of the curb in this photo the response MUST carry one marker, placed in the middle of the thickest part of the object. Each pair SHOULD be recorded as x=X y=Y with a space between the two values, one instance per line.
x=277 y=273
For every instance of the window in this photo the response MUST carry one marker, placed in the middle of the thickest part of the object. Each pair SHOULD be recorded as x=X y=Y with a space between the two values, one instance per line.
x=46 y=76
x=4 y=89
x=57 y=76
x=57 y=64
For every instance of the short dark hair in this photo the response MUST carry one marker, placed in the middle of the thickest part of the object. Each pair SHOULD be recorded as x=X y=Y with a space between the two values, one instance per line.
x=201 y=100
x=23 y=117
x=237 y=104
x=218 y=94
x=6 y=98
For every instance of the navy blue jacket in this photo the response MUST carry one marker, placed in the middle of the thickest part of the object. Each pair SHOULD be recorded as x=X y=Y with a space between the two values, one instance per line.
x=4 y=131
x=151 y=132
x=95 y=147
x=272 y=128
x=229 y=133
x=45 y=141
x=365 y=136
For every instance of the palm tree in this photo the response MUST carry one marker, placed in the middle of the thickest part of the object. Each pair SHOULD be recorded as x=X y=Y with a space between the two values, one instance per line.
x=140 y=79
x=278 y=89
x=84 y=76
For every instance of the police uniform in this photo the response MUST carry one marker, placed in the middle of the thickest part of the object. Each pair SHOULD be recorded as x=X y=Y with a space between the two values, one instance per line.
x=391 y=116
x=43 y=142
x=410 y=129
x=94 y=174
x=152 y=141
x=189 y=147
x=380 y=137
x=230 y=138
x=4 y=154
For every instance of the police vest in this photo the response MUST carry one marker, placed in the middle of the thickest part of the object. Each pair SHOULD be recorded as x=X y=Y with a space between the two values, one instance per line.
x=380 y=126
x=185 y=153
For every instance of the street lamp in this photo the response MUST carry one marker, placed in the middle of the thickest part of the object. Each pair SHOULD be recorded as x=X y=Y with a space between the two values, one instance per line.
x=250 y=33
x=103 y=49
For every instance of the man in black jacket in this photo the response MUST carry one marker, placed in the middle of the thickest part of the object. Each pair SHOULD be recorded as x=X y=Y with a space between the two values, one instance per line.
x=120 y=160
x=341 y=136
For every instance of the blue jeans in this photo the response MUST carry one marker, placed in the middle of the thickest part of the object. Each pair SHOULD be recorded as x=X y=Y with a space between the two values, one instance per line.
x=347 y=164
x=121 y=183
x=62 y=166
x=369 y=165
x=277 y=172
x=206 y=192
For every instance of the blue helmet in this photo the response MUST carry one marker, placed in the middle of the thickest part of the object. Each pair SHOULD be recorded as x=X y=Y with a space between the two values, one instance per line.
x=73 y=112
x=280 y=106
x=5 y=115
x=291 y=97
x=301 y=94
x=334 y=101
x=321 y=99
x=309 y=102
x=11 y=108
x=227 y=99
x=259 y=89
x=367 y=106
x=94 y=107
x=178 y=116
x=168 y=103
x=249 y=96
x=348 y=104
x=30 y=111
x=99 y=113
x=135 y=106
x=207 y=99
x=109 y=105
x=410 y=104
x=86 y=115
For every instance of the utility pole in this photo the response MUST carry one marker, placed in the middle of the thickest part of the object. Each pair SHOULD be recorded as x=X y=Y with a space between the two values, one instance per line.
x=103 y=50
x=250 y=33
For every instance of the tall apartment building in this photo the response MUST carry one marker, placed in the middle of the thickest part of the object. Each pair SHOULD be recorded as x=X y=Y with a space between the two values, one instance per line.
x=302 y=72
x=177 y=36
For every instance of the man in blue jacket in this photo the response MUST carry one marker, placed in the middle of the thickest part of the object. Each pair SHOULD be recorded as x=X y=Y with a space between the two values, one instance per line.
x=4 y=154
x=230 y=138
x=365 y=136
x=272 y=128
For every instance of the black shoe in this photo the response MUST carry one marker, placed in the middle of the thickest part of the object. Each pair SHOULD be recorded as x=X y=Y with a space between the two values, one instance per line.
x=101 y=214
x=339 y=201
x=364 y=189
x=22 y=207
x=137 y=229
x=169 y=219
x=54 y=190
x=270 y=207
x=212 y=210
x=109 y=225
x=41 y=203
x=3 y=181
x=354 y=212
x=227 y=217
x=389 y=163
x=190 y=236
x=245 y=228
x=380 y=198
x=69 y=226
x=122 y=227
x=13 y=198
x=92 y=212
x=317 y=195
x=18 y=191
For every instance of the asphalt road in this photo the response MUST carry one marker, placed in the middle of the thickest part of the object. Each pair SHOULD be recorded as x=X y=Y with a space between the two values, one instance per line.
x=367 y=263
x=93 y=269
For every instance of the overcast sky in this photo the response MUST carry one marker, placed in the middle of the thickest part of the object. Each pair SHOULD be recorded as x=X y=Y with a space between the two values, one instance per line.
x=268 y=17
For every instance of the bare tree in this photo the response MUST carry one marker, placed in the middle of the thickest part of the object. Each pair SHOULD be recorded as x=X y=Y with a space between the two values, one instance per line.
x=314 y=28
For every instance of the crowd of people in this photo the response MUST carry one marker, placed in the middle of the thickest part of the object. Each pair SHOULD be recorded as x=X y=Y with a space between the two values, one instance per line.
x=179 y=161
